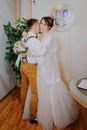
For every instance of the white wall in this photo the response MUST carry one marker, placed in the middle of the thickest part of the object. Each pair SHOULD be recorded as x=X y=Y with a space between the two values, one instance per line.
x=72 y=43
x=7 y=13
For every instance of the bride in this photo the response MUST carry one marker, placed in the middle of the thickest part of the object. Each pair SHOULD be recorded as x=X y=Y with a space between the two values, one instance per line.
x=56 y=107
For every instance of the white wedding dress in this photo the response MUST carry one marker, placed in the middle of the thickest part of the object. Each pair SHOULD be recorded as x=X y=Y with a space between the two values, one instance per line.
x=56 y=107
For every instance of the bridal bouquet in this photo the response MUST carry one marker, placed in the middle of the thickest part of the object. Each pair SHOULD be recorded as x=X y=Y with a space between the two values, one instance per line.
x=19 y=48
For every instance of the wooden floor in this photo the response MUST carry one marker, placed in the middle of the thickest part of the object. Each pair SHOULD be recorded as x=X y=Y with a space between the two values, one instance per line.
x=11 y=116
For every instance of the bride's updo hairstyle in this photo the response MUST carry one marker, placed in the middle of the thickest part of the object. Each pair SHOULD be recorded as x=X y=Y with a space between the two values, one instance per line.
x=48 y=20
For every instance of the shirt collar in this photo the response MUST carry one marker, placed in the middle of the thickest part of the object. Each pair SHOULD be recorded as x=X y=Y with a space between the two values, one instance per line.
x=31 y=34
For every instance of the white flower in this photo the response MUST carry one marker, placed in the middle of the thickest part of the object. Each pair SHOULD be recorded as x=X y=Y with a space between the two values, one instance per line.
x=19 y=47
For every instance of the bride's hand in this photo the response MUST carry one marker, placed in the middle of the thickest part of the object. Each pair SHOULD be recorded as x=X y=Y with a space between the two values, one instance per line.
x=24 y=54
x=29 y=54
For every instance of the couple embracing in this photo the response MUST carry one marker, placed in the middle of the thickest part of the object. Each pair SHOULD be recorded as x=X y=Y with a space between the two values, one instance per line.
x=44 y=96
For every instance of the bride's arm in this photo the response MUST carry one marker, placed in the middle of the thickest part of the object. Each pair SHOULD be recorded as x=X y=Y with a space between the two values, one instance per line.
x=38 y=54
x=43 y=49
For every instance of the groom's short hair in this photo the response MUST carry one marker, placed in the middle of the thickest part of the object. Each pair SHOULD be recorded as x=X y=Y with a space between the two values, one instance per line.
x=31 y=22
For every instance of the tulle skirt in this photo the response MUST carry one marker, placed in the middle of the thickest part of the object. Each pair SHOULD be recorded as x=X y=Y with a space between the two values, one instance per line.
x=56 y=107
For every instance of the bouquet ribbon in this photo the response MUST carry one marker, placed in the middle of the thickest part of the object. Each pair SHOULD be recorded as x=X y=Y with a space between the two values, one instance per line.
x=19 y=59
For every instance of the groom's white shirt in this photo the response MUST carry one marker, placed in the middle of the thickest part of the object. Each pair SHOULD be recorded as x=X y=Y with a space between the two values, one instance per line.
x=43 y=49
x=34 y=46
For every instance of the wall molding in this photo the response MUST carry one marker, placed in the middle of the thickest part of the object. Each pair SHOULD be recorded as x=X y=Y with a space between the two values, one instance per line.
x=29 y=9
x=17 y=9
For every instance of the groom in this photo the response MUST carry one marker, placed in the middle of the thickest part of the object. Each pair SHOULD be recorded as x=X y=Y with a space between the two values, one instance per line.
x=28 y=69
